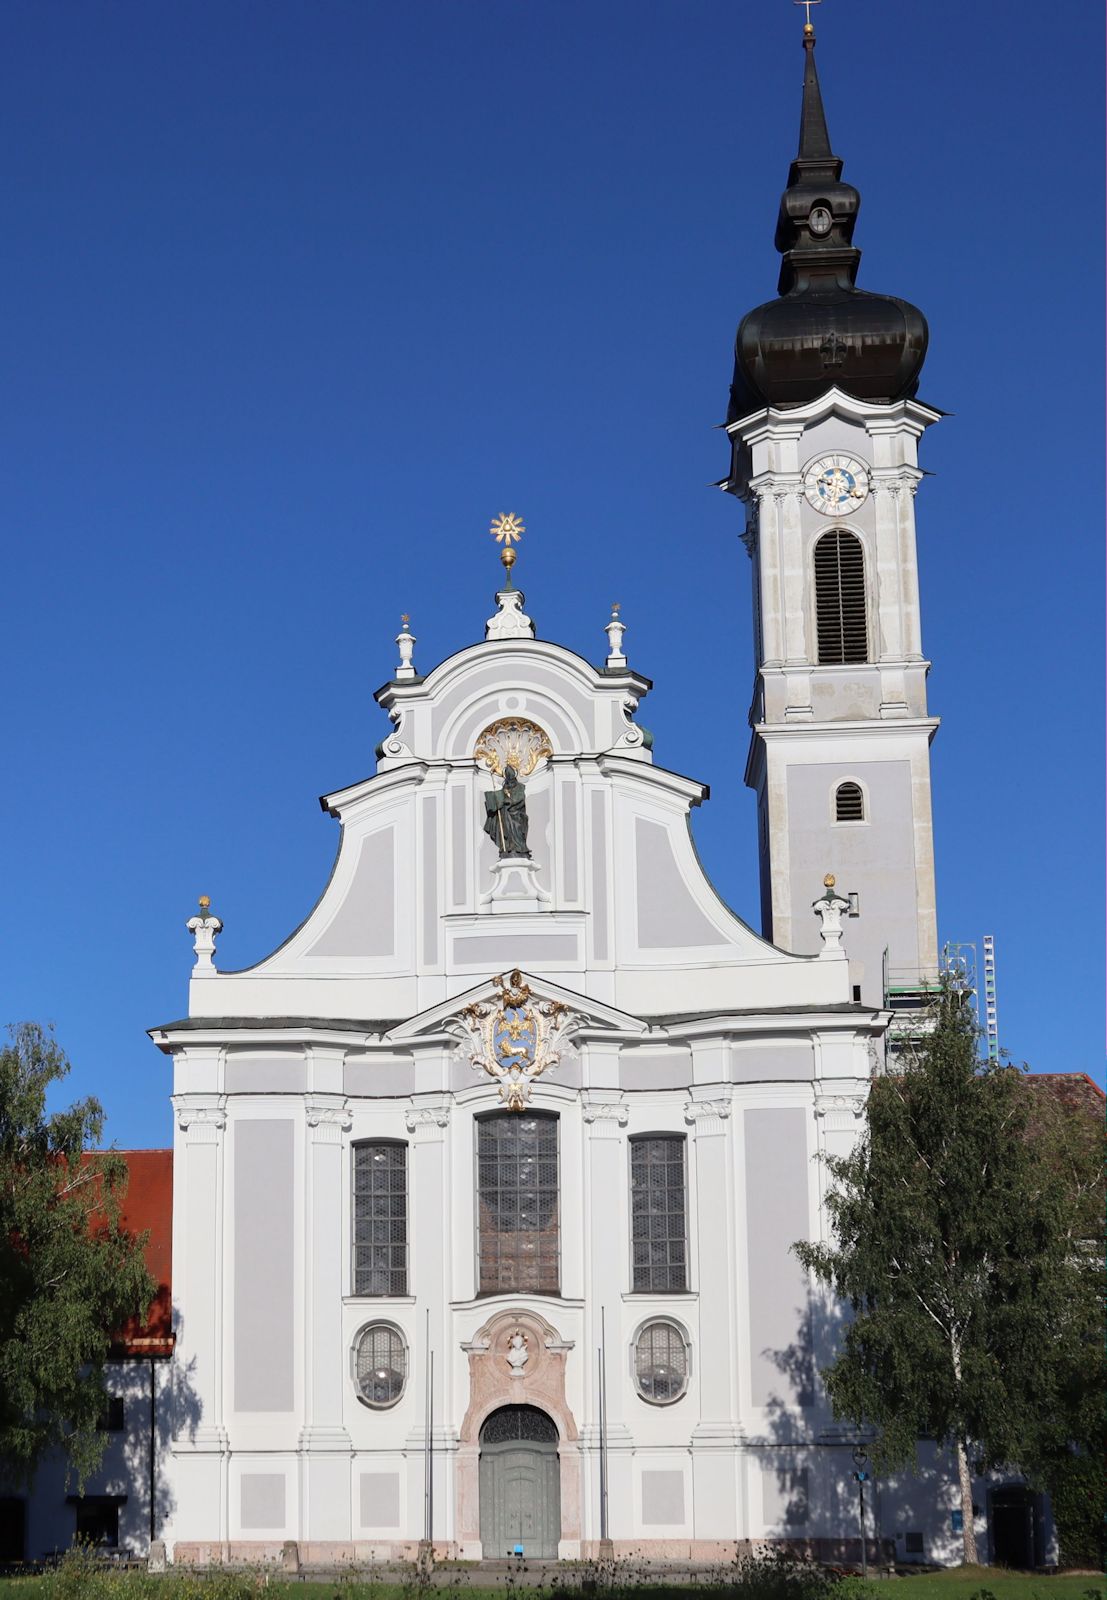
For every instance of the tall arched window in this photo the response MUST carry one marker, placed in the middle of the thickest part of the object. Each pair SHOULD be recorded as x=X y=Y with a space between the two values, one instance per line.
x=517 y=1193
x=840 y=622
x=658 y=1226
x=380 y=1217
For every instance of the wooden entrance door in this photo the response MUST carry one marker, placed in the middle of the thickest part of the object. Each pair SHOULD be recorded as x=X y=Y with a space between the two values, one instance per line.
x=520 y=1485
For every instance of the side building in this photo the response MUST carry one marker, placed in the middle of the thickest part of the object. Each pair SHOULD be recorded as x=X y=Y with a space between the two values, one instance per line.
x=120 y=1509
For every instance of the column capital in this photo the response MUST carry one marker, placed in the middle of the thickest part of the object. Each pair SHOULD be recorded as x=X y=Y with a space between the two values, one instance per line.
x=604 y=1116
x=327 y=1120
x=427 y=1119
x=707 y=1116
x=840 y=1111
x=201 y=1121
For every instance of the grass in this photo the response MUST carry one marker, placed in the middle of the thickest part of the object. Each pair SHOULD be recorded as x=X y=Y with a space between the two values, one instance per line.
x=79 y=1580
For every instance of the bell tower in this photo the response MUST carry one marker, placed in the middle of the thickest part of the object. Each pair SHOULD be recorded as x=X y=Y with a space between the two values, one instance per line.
x=824 y=430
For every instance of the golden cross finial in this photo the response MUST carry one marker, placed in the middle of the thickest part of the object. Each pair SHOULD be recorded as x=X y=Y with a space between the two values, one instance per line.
x=808 y=27
x=404 y=618
x=506 y=529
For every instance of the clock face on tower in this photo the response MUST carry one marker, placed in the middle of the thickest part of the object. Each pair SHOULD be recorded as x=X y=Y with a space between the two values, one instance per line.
x=836 y=485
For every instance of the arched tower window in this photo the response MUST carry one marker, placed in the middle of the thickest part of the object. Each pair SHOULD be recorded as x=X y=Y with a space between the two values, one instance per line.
x=849 y=803
x=840 y=599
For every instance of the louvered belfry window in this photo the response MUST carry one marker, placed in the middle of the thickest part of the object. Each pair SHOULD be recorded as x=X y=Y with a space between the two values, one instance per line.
x=658 y=1225
x=840 y=599
x=849 y=803
x=517 y=1194
x=380 y=1217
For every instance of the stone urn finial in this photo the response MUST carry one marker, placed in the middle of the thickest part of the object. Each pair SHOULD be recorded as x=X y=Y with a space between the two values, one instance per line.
x=204 y=929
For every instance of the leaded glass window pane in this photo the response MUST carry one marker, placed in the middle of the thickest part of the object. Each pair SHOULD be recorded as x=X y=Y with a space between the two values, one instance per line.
x=658 y=1224
x=381 y=1364
x=661 y=1363
x=380 y=1218
x=517 y=1195
x=525 y=1423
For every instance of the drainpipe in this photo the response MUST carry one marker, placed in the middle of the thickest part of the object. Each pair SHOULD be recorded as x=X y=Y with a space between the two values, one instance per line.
x=153 y=1451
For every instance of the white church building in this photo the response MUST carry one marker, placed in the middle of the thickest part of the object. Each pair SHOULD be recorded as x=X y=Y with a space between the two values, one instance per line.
x=485 y=1182
x=480 y=1158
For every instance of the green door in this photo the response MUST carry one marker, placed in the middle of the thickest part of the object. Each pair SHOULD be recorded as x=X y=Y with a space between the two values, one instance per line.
x=520 y=1485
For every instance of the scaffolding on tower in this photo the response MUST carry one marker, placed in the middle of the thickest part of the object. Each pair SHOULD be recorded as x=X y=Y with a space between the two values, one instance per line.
x=991 y=1014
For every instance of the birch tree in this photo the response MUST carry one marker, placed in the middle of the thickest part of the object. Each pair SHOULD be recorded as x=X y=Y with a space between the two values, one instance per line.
x=70 y=1274
x=952 y=1245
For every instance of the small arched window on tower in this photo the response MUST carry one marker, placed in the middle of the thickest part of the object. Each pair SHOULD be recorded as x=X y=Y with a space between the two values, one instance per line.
x=849 y=803
x=843 y=635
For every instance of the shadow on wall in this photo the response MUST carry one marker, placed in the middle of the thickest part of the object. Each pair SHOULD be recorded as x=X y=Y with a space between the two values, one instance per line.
x=176 y=1413
x=128 y=1500
x=810 y=1493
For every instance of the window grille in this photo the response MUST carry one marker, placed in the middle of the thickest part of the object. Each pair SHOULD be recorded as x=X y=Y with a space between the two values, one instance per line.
x=660 y=1363
x=380 y=1218
x=380 y=1365
x=658 y=1228
x=519 y=1422
x=840 y=599
x=849 y=803
x=518 y=1203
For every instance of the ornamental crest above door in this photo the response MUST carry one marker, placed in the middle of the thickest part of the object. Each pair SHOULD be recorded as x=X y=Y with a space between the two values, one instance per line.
x=514 y=1038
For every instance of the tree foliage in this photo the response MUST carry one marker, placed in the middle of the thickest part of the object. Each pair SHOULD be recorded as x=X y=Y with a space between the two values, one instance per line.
x=70 y=1273
x=957 y=1229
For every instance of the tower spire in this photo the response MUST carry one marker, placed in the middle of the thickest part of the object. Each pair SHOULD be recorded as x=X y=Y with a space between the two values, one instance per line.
x=814 y=140
x=823 y=330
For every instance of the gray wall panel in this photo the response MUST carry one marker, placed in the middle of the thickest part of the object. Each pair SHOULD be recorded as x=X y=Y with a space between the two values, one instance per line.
x=365 y=923
x=599 y=877
x=662 y=1499
x=777 y=1176
x=264 y=1249
x=668 y=917
x=380 y=1499
x=262 y=1502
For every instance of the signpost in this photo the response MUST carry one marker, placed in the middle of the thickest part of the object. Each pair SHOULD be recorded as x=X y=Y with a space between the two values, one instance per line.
x=861 y=1461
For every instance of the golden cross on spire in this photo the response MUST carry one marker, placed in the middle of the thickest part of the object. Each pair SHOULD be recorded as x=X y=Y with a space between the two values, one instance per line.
x=807 y=27
x=507 y=529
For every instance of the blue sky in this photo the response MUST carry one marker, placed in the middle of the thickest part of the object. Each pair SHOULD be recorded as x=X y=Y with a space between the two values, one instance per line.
x=298 y=296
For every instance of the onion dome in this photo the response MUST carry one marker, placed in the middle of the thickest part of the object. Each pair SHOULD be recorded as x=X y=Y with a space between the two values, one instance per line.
x=823 y=331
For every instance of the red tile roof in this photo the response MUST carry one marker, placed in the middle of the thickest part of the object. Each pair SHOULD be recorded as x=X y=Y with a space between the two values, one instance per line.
x=148 y=1207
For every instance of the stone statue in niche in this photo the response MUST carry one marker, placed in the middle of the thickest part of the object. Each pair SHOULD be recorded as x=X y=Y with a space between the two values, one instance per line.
x=506 y=820
x=517 y=1353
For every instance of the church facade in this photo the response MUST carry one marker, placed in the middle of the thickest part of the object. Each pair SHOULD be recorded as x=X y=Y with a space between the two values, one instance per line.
x=486 y=1180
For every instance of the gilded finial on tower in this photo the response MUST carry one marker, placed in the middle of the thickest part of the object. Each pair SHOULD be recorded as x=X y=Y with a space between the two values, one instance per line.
x=808 y=27
x=204 y=903
x=507 y=529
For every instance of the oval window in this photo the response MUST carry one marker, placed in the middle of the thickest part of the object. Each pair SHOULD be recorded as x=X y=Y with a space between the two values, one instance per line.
x=380 y=1365
x=660 y=1363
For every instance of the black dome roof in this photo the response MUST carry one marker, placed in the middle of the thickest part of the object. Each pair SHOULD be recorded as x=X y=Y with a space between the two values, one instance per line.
x=823 y=331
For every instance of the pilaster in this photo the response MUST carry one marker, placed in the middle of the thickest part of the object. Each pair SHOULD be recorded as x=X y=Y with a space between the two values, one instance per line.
x=198 y=1257
x=324 y=1441
x=427 y=1120
x=718 y=1433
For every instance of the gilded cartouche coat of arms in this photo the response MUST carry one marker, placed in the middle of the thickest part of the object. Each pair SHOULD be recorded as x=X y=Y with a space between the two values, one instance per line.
x=514 y=1039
